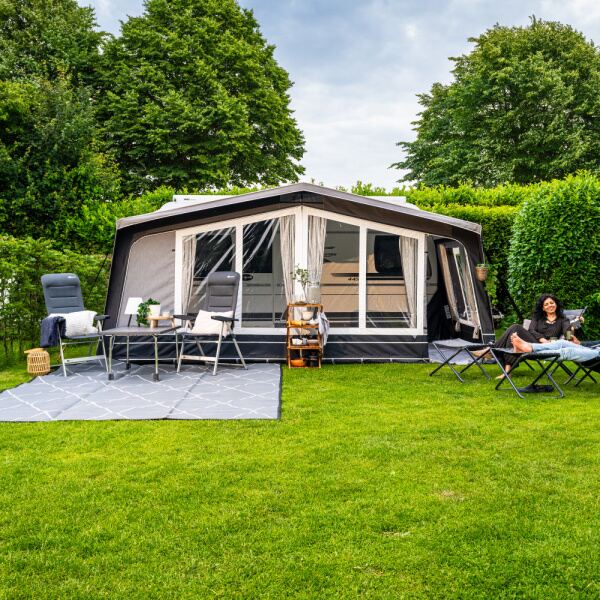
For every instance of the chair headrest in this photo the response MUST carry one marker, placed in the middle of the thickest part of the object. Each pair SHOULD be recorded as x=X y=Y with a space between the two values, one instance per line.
x=62 y=293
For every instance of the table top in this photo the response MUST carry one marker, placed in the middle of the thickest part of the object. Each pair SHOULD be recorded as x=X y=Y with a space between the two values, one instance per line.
x=136 y=330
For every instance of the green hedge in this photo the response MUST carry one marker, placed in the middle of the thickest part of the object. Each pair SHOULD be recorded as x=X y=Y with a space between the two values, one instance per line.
x=555 y=247
x=92 y=229
x=466 y=195
x=22 y=306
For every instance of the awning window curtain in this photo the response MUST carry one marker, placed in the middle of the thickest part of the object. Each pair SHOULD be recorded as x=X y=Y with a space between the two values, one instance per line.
x=317 y=229
x=288 y=239
x=187 y=271
x=408 y=255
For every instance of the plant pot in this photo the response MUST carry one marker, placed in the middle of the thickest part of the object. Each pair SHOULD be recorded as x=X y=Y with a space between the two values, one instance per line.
x=154 y=310
x=298 y=362
x=481 y=273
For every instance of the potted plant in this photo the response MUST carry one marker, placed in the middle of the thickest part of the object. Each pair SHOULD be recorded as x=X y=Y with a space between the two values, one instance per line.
x=302 y=277
x=481 y=271
x=144 y=310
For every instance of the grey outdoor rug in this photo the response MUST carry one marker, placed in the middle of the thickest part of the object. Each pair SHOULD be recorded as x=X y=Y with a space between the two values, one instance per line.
x=87 y=395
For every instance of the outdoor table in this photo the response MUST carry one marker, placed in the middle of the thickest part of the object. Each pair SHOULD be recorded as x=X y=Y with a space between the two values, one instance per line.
x=547 y=361
x=128 y=332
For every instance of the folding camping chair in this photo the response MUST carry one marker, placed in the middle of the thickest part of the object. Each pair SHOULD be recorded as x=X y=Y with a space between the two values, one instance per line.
x=588 y=367
x=455 y=347
x=62 y=294
x=221 y=297
x=547 y=361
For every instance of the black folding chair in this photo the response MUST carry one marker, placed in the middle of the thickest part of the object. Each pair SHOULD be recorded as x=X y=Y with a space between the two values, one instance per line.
x=547 y=361
x=221 y=296
x=62 y=293
x=587 y=367
x=455 y=347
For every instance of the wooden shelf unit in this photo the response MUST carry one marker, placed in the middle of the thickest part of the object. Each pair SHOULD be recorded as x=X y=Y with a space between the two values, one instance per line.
x=311 y=354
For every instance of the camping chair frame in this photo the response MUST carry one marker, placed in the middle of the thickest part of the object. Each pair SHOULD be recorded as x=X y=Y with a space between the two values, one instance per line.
x=456 y=347
x=587 y=367
x=187 y=336
x=97 y=340
x=547 y=361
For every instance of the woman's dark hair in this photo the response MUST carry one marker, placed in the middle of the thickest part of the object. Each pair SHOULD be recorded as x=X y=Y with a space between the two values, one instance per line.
x=538 y=311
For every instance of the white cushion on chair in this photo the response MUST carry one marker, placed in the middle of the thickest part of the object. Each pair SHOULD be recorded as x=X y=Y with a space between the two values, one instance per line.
x=206 y=325
x=78 y=323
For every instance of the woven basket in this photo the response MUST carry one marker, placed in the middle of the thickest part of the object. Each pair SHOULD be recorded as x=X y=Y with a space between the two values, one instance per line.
x=38 y=361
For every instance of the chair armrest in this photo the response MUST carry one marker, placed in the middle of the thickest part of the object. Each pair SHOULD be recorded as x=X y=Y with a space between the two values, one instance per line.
x=188 y=317
x=223 y=319
x=101 y=317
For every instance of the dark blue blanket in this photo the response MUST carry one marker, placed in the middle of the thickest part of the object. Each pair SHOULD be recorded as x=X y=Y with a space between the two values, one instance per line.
x=50 y=328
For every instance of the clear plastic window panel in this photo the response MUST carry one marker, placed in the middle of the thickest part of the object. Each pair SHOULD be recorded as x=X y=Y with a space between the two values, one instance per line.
x=465 y=311
x=387 y=302
x=215 y=251
x=263 y=291
x=339 y=279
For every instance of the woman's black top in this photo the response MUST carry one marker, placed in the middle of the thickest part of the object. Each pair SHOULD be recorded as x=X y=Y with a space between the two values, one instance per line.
x=543 y=329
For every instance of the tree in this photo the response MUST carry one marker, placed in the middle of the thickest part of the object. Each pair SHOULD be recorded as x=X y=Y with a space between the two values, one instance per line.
x=50 y=162
x=47 y=39
x=193 y=97
x=49 y=165
x=524 y=106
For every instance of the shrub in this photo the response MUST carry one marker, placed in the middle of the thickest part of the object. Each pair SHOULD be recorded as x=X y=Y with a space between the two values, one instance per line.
x=22 y=305
x=93 y=228
x=555 y=247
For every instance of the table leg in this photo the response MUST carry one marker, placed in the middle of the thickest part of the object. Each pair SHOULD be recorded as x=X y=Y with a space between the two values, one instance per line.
x=156 y=377
x=127 y=364
x=111 y=342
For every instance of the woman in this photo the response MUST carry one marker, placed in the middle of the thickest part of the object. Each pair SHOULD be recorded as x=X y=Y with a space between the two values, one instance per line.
x=548 y=322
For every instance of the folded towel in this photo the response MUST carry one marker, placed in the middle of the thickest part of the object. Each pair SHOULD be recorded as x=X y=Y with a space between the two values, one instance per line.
x=323 y=327
x=49 y=330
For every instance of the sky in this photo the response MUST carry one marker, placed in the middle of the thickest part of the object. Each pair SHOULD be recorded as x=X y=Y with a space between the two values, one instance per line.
x=358 y=66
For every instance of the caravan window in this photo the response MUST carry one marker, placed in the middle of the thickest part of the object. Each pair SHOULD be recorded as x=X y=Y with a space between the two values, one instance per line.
x=339 y=279
x=263 y=292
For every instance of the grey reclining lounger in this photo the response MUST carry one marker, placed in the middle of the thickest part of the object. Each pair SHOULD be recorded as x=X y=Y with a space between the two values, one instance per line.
x=62 y=294
x=221 y=296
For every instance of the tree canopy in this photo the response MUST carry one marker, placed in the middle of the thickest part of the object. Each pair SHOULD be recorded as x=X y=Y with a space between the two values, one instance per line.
x=524 y=106
x=50 y=160
x=191 y=96
x=47 y=39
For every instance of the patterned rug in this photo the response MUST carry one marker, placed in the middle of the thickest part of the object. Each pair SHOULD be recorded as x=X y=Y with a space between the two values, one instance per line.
x=87 y=395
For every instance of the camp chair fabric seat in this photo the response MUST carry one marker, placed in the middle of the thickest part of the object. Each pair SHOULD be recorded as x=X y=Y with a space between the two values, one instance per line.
x=456 y=346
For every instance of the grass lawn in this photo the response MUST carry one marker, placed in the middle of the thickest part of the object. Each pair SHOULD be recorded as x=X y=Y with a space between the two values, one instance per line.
x=378 y=481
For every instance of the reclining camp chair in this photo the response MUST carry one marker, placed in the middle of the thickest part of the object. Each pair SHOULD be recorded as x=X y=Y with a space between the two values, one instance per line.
x=221 y=298
x=588 y=367
x=62 y=293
